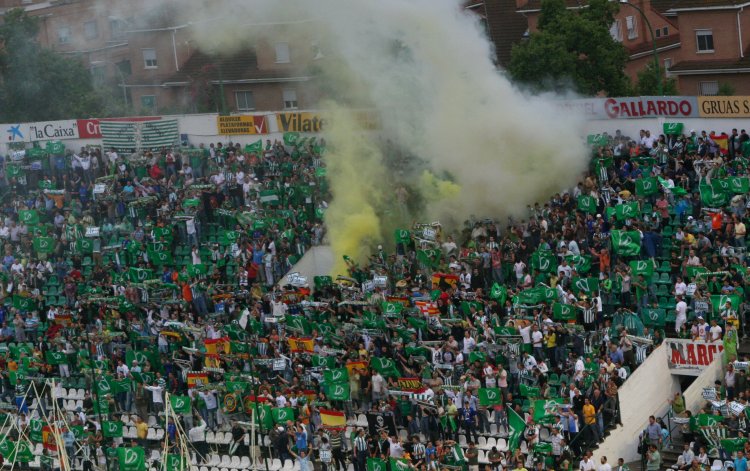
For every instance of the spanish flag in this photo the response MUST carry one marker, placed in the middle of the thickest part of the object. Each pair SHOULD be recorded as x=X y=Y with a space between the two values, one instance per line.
x=195 y=378
x=301 y=345
x=428 y=308
x=721 y=140
x=332 y=418
x=360 y=365
x=439 y=280
x=217 y=346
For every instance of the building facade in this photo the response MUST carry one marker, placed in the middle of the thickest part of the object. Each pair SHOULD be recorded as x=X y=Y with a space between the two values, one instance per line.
x=138 y=49
x=703 y=44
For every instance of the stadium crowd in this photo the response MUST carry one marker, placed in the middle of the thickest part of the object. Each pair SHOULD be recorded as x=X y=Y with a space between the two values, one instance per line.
x=140 y=312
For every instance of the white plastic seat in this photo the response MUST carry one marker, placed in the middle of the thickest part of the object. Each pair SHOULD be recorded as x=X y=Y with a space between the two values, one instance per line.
x=226 y=460
x=214 y=460
x=275 y=465
x=151 y=434
x=235 y=461
x=502 y=445
x=210 y=437
x=717 y=465
x=160 y=434
x=245 y=462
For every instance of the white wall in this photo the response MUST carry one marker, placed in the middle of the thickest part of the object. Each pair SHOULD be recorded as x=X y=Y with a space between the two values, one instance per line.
x=694 y=393
x=645 y=393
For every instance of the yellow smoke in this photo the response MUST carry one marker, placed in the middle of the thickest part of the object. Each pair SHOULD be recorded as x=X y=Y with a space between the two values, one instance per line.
x=358 y=185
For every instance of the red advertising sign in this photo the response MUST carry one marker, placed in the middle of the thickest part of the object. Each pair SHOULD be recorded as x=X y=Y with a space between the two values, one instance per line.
x=688 y=357
x=89 y=129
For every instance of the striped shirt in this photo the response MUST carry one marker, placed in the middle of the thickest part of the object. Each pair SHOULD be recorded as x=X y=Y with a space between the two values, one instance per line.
x=360 y=444
x=418 y=451
x=641 y=351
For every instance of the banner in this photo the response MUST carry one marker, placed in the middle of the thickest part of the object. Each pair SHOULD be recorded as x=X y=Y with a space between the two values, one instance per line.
x=111 y=429
x=724 y=106
x=688 y=357
x=301 y=345
x=333 y=419
x=627 y=211
x=242 y=124
x=642 y=267
x=490 y=397
x=377 y=422
x=626 y=243
x=131 y=459
x=336 y=376
x=282 y=414
x=563 y=312
x=376 y=464
x=300 y=122
x=196 y=378
x=338 y=391
x=587 y=204
x=180 y=404
x=516 y=426
x=646 y=186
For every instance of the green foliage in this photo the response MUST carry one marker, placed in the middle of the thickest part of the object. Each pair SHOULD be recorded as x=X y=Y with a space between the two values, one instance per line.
x=39 y=84
x=572 y=47
x=648 y=82
x=725 y=89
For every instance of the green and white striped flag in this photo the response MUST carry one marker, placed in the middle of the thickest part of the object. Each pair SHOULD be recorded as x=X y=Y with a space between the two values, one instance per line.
x=126 y=135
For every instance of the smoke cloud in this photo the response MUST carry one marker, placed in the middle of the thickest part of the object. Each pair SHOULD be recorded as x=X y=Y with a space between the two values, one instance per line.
x=456 y=137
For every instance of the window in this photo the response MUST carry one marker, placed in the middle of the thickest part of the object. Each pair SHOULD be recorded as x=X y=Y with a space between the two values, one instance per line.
x=290 y=99
x=90 y=30
x=63 y=35
x=665 y=31
x=148 y=102
x=117 y=28
x=704 y=40
x=657 y=33
x=97 y=74
x=245 y=101
x=282 y=53
x=631 y=24
x=123 y=68
x=616 y=31
x=149 y=58
x=667 y=66
x=709 y=88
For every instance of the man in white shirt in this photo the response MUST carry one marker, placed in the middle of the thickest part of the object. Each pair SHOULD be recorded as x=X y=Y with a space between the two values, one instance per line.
x=605 y=466
x=714 y=332
x=681 y=314
x=587 y=464
x=680 y=288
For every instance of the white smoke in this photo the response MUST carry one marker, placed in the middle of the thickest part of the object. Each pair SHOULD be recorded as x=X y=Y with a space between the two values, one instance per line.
x=426 y=67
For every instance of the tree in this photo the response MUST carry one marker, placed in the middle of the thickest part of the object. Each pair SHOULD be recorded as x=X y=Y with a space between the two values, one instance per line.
x=38 y=84
x=725 y=89
x=648 y=82
x=572 y=48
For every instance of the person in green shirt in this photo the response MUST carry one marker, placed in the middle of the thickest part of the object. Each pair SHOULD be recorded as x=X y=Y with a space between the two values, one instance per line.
x=653 y=458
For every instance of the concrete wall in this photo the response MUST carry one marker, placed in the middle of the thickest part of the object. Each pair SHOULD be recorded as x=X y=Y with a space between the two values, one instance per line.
x=645 y=393
x=630 y=127
x=694 y=393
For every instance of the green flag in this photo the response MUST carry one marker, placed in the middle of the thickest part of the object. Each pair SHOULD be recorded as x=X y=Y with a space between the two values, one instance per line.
x=429 y=257
x=264 y=417
x=587 y=204
x=21 y=453
x=672 y=128
x=563 y=312
x=528 y=391
x=375 y=464
x=646 y=186
x=399 y=464
x=582 y=263
x=319 y=361
x=477 y=356
x=642 y=267
x=711 y=197
x=627 y=243
x=392 y=307
x=28 y=217
x=254 y=148
x=44 y=244
x=544 y=260
x=626 y=211
x=291 y=138
x=180 y=404
x=516 y=427
x=338 y=391
x=177 y=462
x=139 y=275
x=131 y=459
x=596 y=140
x=282 y=414
x=586 y=285
x=402 y=236
x=23 y=303
x=719 y=302
x=498 y=293
x=546 y=407
x=654 y=317
x=269 y=197
x=336 y=375
x=732 y=445
x=228 y=237
x=111 y=429
x=35 y=430
x=739 y=185
x=56 y=358
x=490 y=397
x=385 y=366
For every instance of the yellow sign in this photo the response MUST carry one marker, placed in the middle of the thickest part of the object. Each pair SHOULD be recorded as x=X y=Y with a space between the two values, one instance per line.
x=241 y=124
x=724 y=106
x=300 y=122
x=316 y=122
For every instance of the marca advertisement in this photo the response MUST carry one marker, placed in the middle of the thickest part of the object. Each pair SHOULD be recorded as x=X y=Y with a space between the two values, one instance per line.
x=688 y=357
